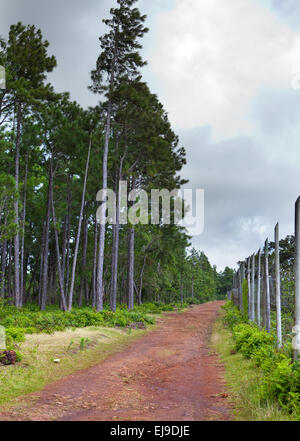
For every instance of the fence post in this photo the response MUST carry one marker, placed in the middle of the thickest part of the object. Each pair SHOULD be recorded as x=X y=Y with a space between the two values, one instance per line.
x=277 y=288
x=253 y=289
x=258 y=289
x=242 y=281
x=249 y=287
x=296 y=329
x=267 y=284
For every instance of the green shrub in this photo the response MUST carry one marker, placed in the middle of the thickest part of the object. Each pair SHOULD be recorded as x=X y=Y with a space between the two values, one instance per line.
x=281 y=379
x=232 y=315
x=282 y=383
x=249 y=339
x=14 y=335
x=245 y=299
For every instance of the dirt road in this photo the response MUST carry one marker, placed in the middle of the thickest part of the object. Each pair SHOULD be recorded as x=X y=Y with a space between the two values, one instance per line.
x=170 y=374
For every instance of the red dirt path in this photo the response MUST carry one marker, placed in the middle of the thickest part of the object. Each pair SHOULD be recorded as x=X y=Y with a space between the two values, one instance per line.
x=169 y=374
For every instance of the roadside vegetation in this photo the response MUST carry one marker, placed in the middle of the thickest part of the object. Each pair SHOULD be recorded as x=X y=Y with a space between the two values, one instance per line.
x=264 y=381
x=51 y=344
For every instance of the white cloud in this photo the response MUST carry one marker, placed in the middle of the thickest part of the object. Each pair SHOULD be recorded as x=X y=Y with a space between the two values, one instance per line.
x=213 y=57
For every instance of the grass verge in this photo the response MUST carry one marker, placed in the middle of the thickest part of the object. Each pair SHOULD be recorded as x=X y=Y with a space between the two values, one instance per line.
x=76 y=349
x=243 y=379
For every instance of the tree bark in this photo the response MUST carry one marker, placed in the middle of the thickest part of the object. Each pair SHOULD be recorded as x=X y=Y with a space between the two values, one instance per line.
x=60 y=276
x=130 y=274
x=46 y=247
x=79 y=225
x=94 y=280
x=3 y=268
x=17 y=292
x=83 y=280
x=22 y=271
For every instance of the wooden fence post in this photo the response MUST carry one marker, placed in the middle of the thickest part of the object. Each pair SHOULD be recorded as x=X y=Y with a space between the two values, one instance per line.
x=296 y=329
x=249 y=286
x=253 y=289
x=242 y=281
x=277 y=288
x=267 y=284
x=258 y=289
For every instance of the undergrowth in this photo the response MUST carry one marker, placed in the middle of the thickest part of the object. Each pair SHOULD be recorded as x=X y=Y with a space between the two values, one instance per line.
x=280 y=381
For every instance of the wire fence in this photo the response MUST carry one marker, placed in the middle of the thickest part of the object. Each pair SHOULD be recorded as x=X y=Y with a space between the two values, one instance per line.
x=266 y=287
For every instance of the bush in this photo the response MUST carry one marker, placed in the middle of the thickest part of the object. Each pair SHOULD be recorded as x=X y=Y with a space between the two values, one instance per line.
x=232 y=315
x=249 y=339
x=281 y=379
x=282 y=383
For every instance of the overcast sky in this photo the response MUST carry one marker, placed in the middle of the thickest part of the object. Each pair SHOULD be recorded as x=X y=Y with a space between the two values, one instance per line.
x=228 y=73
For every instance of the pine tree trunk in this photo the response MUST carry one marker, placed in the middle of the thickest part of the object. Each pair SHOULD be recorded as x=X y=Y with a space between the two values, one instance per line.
x=46 y=247
x=22 y=270
x=3 y=268
x=17 y=291
x=79 y=226
x=83 y=280
x=60 y=276
x=141 y=280
x=130 y=273
x=94 y=279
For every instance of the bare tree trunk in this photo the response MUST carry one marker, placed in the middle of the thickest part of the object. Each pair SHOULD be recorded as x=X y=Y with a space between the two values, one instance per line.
x=95 y=264
x=141 y=280
x=267 y=283
x=22 y=272
x=3 y=268
x=277 y=287
x=67 y=278
x=130 y=274
x=79 y=225
x=17 y=292
x=83 y=280
x=60 y=276
x=66 y=233
x=258 y=289
x=296 y=329
x=100 y=262
x=115 y=248
x=46 y=248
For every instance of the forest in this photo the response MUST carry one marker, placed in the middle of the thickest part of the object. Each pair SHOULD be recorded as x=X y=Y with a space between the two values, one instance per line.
x=55 y=156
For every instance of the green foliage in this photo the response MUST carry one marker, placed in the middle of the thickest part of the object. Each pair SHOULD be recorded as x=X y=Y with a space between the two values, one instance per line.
x=282 y=383
x=245 y=298
x=232 y=315
x=249 y=339
x=281 y=376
